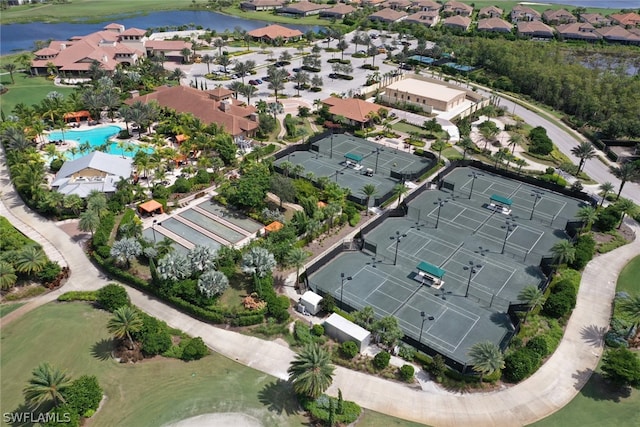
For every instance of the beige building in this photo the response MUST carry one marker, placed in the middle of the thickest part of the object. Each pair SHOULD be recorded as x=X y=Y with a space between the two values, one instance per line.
x=425 y=94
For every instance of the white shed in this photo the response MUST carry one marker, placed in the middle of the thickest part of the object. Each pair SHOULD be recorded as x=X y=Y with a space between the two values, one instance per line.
x=341 y=329
x=311 y=302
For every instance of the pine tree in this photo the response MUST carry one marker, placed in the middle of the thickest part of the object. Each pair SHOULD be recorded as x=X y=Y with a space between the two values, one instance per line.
x=340 y=408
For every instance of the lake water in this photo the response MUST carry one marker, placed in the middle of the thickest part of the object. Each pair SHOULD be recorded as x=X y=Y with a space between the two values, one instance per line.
x=17 y=37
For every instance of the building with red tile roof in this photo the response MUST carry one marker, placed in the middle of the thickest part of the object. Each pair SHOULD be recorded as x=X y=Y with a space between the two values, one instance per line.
x=457 y=22
x=524 y=13
x=457 y=8
x=387 y=15
x=274 y=31
x=578 y=31
x=355 y=110
x=303 y=8
x=338 y=11
x=490 y=12
x=213 y=106
x=428 y=18
x=535 y=29
x=495 y=25
x=619 y=34
x=262 y=4
x=630 y=19
x=559 y=16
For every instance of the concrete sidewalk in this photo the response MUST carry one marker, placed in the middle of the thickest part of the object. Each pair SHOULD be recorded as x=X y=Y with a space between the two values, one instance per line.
x=548 y=390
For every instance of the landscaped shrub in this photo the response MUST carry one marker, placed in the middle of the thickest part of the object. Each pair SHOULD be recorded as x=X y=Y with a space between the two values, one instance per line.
x=112 y=297
x=349 y=349
x=381 y=360
x=63 y=415
x=608 y=219
x=154 y=335
x=406 y=373
x=103 y=231
x=406 y=352
x=78 y=296
x=302 y=333
x=585 y=248
x=317 y=330
x=55 y=165
x=521 y=363
x=319 y=409
x=194 y=350
x=182 y=185
x=560 y=303
x=538 y=345
x=84 y=394
x=540 y=143
x=49 y=272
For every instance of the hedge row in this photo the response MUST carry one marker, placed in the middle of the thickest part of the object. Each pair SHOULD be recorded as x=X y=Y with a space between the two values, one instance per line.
x=78 y=296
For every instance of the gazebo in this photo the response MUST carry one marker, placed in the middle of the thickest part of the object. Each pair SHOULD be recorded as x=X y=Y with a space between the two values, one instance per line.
x=77 y=116
x=273 y=227
x=151 y=207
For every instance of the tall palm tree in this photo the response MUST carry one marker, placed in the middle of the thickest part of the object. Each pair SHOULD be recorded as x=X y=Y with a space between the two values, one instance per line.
x=89 y=221
x=73 y=202
x=631 y=307
x=207 y=59
x=625 y=172
x=301 y=78
x=467 y=144
x=342 y=46
x=248 y=91
x=533 y=297
x=125 y=320
x=7 y=275
x=97 y=202
x=515 y=140
x=219 y=43
x=242 y=68
x=584 y=151
x=296 y=257
x=186 y=54
x=563 y=252
x=235 y=86
x=486 y=358
x=311 y=372
x=605 y=188
x=10 y=67
x=588 y=216
x=626 y=207
x=47 y=383
x=277 y=77
x=369 y=190
x=399 y=191
x=224 y=60
x=30 y=260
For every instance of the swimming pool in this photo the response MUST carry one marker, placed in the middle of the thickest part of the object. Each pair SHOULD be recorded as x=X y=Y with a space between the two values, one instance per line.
x=97 y=137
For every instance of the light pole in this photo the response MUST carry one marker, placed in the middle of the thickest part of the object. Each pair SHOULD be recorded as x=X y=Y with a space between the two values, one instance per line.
x=343 y=279
x=397 y=238
x=473 y=176
x=338 y=173
x=424 y=318
x=538 y=195
x=473 y=269
x=153 y=228
x=509 y=226
x=331 y=152
x=378 y=150
x=440 y=204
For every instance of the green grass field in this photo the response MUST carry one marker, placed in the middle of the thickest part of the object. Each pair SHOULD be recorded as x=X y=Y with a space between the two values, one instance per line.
x=101 y=10
x=628 y=279
x=8 y=308
x=28 y=90
x=73 y=337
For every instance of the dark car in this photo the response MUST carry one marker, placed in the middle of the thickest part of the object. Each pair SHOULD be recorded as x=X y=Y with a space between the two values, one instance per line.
x=295 y=70
x=259 y=81
x=253 y=82
x=333 y=76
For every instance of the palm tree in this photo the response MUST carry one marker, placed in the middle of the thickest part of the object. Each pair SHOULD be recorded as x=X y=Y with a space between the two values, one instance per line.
x=15 y=139
x=311 y=372
x=532 y=297
x=224 y=60
x=488 y=130
x=369 y=190
x=584 y=151
x=301 y=78
x=563 y=252
x=631 y=307
x=515 y=140
x=625 y=207
x=248 y=91
x=400 y=190
x=125 y=320
x=7 y=275
x=235 y=86
x=97 y=202
x=467 y=144
x=10 y=67
x=219 y=43
x=47 y=383
x=89 y=221
x=277 y=77
x=207 y=59
x=258 y=261
x=605 y=188
x=177 y=74
x=342 y=46
x=242 y=68
x=486 y=358
x=186 y=54
x=625 y=172
x=30 y=260
x=588 y=216
x=296 y=257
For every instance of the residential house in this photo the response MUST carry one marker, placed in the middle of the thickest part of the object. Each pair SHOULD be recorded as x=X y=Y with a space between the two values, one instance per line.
x=273 y=32
x=112 y=46
x=388 y=15
x=619 y=34
x=428 y=18
x=338 y=11
x=457 y=22
x=453 y=7
x=490 y=12
x=212 y=106
x=535 y=29
x=397 y=4
x=578 y=31
x=258 y=5
x=524 y=13
x=97 y=171
x=559 y=16
x=627 y=20
x=425 y=6
x=595 y=19
x=303 y=8
x=373 y=3
x=357 y=111
x=495 y=25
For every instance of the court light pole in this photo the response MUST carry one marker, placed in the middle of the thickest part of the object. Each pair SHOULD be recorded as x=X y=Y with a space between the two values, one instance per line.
x=397 y=238
x=331 y=151
x=509 y=226
x=343 y=278
x=153 y=228
x=425 y=317
x=473 y=269
x=338 y=173
x=473 y=176
x=378 y=150
x=440 y=204
x=538 y=195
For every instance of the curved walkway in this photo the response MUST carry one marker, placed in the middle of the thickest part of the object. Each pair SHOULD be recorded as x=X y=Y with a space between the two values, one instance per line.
x=548 y=390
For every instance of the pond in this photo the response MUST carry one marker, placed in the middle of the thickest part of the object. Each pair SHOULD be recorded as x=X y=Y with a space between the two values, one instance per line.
x=18 y=37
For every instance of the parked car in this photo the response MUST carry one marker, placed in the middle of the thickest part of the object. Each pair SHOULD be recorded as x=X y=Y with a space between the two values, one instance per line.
x=295 y=70
x=253 y=82
x=259 y=81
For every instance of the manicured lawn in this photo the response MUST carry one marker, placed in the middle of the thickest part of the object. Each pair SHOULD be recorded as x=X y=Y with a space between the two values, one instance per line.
x=407 y=127
x=628 y=279
x=8 y=308
x=73 y=337
x=28 y=90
